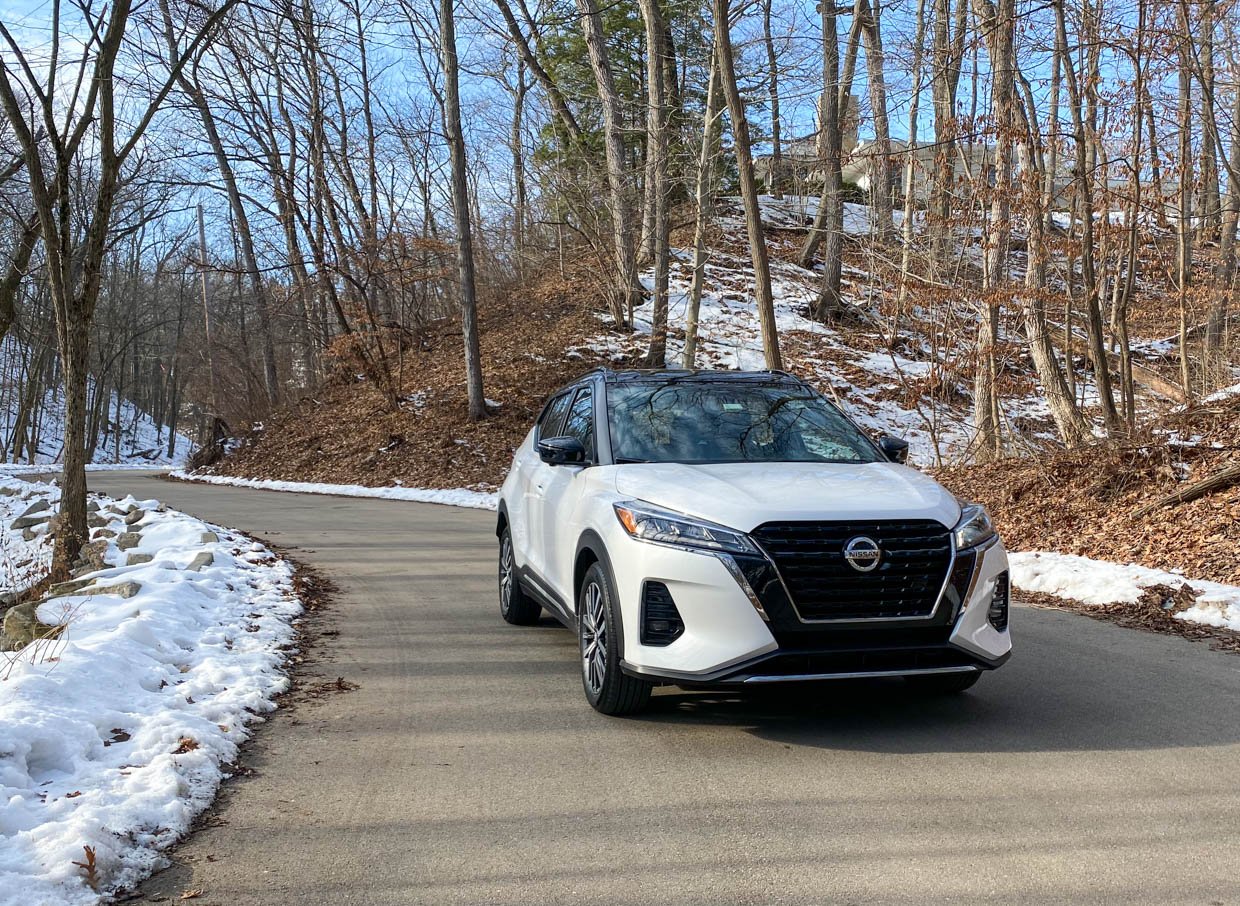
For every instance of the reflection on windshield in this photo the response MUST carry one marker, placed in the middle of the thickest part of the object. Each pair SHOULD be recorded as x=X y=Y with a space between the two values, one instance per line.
x=729 y=422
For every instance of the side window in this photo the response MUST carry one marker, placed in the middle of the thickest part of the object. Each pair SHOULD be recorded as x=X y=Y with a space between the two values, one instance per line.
x=549 y=424
x=580 y=423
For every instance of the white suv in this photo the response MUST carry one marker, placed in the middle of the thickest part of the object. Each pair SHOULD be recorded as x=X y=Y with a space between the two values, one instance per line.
x=734 y=529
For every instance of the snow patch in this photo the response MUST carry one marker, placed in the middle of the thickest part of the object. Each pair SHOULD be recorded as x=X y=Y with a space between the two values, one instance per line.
x=464 y=497
x=118 y=733
x=1099 y=582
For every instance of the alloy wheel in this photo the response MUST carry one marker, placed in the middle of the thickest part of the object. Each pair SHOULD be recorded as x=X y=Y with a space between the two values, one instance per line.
x=505 y=573
x=593 y=638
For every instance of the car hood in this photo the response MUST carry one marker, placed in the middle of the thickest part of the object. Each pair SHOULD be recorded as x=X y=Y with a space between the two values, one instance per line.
x=745 y=495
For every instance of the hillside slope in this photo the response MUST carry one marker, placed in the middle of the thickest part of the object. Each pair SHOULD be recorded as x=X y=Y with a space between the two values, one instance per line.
x=130 y=436
x=906 y=372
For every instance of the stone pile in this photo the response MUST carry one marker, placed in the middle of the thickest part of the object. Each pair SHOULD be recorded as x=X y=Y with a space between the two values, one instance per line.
x=113 y=524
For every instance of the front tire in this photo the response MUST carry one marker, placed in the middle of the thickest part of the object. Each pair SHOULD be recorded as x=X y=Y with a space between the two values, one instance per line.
x=943 y=683
x=608 y=689
x=515 y=605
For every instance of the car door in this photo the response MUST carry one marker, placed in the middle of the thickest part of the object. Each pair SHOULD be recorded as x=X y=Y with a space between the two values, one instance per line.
x=560 y=494
x=532 y=477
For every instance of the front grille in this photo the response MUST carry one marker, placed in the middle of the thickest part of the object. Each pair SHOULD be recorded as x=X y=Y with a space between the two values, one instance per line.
x=824 y=586
x=826 y=663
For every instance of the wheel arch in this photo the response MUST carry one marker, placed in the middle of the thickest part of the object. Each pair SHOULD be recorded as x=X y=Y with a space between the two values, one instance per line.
x=501 y=519
x=591 y=550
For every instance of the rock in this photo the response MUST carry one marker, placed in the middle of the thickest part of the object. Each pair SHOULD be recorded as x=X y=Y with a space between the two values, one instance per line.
x=22 y=626
x=135 y=559
x=93 y=552
x=134 y=517
x=129 y=540
x=92 y=506
x=38 y=506
x=94 y=520
x=104 y=533
x=208 y=538
x=201 y=561
x=23 y=522
x=9 y=492
x=29 y=534
x=73 y=586
x=124 y=589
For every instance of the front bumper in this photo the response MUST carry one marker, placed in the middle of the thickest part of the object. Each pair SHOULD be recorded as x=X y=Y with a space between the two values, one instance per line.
x=728 y=641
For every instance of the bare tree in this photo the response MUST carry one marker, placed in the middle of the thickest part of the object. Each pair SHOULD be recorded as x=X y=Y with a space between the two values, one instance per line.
x=467 y=294
x=55 y=138
x=749 y=186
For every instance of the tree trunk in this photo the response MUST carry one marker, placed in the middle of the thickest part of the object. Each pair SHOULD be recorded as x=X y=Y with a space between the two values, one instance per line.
x=1084 y=182
x=711 y=129
x=748 y=185
x=828 y=228
x=907 y=228
x=880 y=156
x=628 y=291
x=460 y=208
x=772 y=94
x=656 y=174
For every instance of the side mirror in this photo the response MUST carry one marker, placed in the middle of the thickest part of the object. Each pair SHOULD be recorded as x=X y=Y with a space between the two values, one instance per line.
x=894 y=448
x=561 y=451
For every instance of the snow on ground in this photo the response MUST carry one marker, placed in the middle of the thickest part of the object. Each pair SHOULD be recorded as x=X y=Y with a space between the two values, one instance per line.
x=1100 y=582
x=465 y=497
x=141 y=465
x=115 y=734
x=141 y=442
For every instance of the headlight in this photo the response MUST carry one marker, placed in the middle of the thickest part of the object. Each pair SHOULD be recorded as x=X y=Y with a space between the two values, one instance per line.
x=649 y=523
x=974 y=527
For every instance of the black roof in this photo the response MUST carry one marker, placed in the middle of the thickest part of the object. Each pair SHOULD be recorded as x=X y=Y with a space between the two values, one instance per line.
x=655 y=375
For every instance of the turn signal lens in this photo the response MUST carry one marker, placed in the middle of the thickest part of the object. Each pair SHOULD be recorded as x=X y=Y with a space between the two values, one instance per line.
x=627 y=519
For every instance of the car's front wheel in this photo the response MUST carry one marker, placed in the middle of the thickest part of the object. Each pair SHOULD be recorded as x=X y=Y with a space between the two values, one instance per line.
x=608 y=689
x=515 y=605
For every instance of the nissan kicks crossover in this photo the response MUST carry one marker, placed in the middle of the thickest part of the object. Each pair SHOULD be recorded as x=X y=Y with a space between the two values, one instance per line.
x=734 y=529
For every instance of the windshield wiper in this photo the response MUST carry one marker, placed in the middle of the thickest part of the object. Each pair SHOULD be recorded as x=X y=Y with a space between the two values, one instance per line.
x=626 y=461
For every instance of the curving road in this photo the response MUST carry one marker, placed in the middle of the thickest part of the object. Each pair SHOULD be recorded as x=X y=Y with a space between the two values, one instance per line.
x=1100 y=765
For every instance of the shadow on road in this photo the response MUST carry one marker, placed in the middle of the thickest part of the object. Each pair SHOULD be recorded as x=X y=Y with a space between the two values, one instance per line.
x=1045 y=699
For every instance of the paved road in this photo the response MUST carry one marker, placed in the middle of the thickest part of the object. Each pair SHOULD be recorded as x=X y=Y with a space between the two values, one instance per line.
x=1100 y=765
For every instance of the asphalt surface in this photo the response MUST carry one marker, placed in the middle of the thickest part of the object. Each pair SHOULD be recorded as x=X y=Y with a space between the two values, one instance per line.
x=1100 y=765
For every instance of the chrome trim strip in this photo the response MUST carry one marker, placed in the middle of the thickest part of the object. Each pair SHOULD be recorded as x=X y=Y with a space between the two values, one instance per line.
x=864 y=674
x=980 y=550
x=739 y=575
x=865 y=621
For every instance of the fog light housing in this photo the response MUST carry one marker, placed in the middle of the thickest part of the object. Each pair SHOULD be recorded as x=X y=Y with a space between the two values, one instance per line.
x=661 y=623
x=997 y=613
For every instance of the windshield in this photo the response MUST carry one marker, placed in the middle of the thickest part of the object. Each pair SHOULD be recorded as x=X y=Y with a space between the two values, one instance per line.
x=729 y=422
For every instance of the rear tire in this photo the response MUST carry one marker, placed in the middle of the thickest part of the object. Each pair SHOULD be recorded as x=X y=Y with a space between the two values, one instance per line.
x=943 y=683
x=609 y=690
x=515 y=605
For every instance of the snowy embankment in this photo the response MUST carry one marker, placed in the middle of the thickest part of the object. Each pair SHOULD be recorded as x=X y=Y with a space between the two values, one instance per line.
x=142 y=442
x=1097 y=582
x=464 y=497
x=145 y=673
